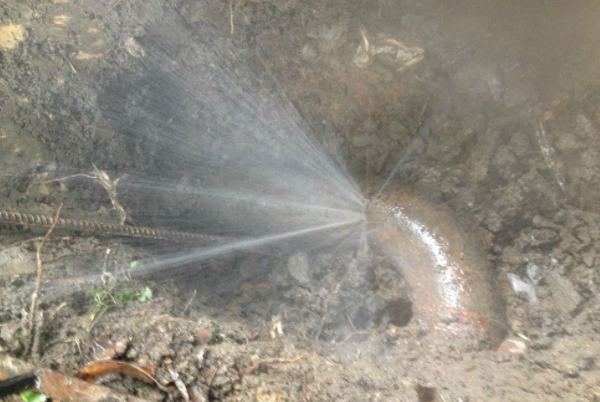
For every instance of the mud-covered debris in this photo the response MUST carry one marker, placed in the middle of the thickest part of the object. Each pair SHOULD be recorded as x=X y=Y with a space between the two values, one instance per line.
x=328 y=36
x=427 y=394
x=483 y=152
x=565 y=296
x=522 y=286
x=589 y=257
x=389 y=51
x=512 y=346
x=310 y=51
x=298 y=268
x=11 y=35
x=179 y=384
x=110 y=350
x=134 y=48
x=276 y=327
x=549 y=154
x=534 y=274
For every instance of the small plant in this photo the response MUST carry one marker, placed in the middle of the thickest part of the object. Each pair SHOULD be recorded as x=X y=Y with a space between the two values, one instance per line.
x=32 y=396
x=107 y=296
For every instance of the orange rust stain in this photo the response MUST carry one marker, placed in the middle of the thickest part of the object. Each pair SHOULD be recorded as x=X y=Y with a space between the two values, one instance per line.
x=255 y=285
x=468 y=293
x=385 y=235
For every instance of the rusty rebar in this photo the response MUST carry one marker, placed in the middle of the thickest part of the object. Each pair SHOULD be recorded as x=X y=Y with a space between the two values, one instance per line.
x=109 y=229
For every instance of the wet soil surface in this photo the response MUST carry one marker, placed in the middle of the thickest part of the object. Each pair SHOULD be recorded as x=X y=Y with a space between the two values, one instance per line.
x=493 y=112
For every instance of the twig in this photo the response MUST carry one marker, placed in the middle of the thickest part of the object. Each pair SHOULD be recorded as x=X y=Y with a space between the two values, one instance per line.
x=264 y=362
x=327 y=303
x=87 y=176
x=210 y=381
x=37 y=337
x=350 y=322
x=111 y=188
x=356 y=333
x=109 y=185
x=548 y=152
x=305 y=394
x=189 y=302
x=38 y=280
x=117 y=3
x=231 y=16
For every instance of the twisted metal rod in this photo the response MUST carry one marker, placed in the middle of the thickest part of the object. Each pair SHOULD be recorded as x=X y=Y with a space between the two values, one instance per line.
x=17 y=218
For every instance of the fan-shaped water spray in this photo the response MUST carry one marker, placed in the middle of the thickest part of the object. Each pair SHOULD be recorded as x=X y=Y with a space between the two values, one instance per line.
x=224 y=152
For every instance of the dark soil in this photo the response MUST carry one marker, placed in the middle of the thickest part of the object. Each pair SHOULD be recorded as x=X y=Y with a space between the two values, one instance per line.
x=501 y=119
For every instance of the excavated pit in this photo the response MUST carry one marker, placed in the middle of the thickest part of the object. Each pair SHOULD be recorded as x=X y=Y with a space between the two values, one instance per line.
x=468 y=131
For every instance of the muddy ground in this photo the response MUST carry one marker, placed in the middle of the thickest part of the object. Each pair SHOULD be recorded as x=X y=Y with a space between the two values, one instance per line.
x=499 y=105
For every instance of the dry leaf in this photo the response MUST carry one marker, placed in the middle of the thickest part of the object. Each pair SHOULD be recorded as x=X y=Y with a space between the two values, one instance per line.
x=11 y=35
x=96 y=370
x=88 y=56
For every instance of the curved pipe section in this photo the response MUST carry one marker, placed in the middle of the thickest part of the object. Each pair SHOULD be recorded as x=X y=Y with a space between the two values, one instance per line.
x=452 y=284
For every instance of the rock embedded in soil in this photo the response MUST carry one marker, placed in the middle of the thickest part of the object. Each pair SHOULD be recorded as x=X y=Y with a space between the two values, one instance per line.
x=298 y=268
x=565 y=296
x=396 y=131
x=310 y=51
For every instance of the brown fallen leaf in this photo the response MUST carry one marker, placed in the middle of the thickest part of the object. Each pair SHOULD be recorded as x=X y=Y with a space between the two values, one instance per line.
x=61 y=387
x=96 y=370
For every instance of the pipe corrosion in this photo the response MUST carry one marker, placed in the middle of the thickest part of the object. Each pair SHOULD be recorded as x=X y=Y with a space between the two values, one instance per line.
x=109 y=229
x=451 y=280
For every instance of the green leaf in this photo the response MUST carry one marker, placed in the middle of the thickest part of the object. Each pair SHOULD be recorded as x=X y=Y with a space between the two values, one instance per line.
x=32 y=396
x=125 y=296
x=97 y=291
x=133 y=265
x=145 y=295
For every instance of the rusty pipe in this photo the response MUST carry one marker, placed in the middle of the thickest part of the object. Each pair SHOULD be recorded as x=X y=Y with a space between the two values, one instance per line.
x=451 y=281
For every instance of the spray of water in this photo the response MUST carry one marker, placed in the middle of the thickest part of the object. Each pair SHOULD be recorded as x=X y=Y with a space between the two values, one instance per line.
x=222 y=149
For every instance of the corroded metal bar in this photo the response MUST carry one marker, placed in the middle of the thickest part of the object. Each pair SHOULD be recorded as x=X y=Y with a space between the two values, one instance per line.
x=110 y=229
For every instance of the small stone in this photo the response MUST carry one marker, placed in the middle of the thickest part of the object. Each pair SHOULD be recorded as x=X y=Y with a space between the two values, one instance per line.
x=541 y=222
x=589 y=257
x=132 y=353
x=369 y=126
x=447 y=317
x=540 y=237
x=571 y=370
x=298 y=268
x=397 y=131
x=568 y=141
x=584 y=124
x=565 y=296
x=203 y=335
x=512 y=346
x=378 y=162
x=361 y=140
x=310 y=51
x=37 y=191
